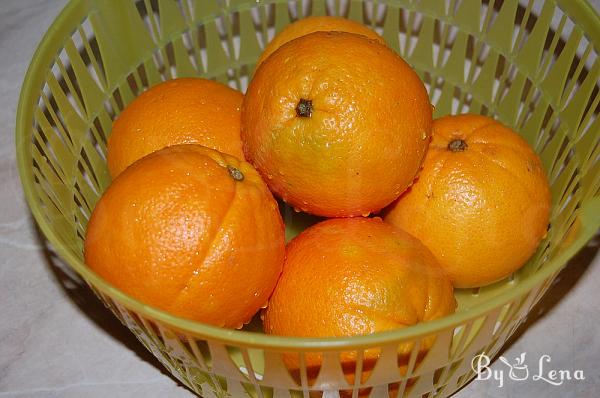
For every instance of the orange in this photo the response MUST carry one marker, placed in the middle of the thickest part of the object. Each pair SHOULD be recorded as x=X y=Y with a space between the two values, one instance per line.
x=191 y=231
x=355 y=276
x=179 y=111
x=481 y=203
x=336 y=123
x=317 y=24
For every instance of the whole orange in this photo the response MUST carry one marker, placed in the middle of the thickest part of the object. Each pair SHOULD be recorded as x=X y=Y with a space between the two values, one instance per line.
x=178 y=111
x=481 y=203
x=191 y=231
x=355 y=276
x=317 y=24
x=336 y=123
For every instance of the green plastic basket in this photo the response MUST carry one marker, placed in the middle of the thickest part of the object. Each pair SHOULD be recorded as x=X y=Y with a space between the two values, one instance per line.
x=535 y=67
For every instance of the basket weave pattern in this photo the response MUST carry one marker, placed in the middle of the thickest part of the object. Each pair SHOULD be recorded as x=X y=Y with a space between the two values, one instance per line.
x=532 y=67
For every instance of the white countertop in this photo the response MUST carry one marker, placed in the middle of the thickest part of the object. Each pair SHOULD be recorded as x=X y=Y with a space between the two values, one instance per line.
x=57 y=340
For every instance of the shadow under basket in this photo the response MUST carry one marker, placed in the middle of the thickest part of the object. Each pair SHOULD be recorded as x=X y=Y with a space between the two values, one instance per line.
x=531 y=64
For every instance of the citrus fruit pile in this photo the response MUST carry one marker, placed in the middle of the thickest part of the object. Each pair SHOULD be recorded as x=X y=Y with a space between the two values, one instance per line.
x=334 y=123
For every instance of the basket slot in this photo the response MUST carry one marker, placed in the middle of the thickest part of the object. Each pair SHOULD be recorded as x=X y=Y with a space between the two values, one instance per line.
x=408 y=379
x=480 y=334
x=179 y=355
x=530 y=97
x=123 y=94
x=524 y=20
x=550 y=144
x=438 y=352
x=201 y=352
x=424 y=385
x=48 y=139
x=54 y=212
x=91 y=164
x=358 y=370
x=68 y=84
x=331 y=372
x=374 y=15
x=276 y=372
x=64 y=116
x=245 y=43
x=512 y=93
x=223 y=364
x=283 y=17
x=148 y=10
x=566 y=187
x=482 y=79
x=148 y=74
x=444 y=42
x=86 y=78
x=263 y=21
x=560 y=240
x=555 y=80
x=449 y=379
x=413 y=25
x=422 y=50
x=577 y=93
x=304 y=372
x=583 y=101
x=303 y=9
x=215 y=50
x=532 y=49
x=182 y=65
x=505 y=322
x=393 y=24
x=160 y=65
x=85 y=43
x=83 y=209
x=468 y=15
x=586 y=128
x=496 y=30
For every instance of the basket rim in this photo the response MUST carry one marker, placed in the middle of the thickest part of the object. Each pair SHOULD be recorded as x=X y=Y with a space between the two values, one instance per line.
x=589 y=218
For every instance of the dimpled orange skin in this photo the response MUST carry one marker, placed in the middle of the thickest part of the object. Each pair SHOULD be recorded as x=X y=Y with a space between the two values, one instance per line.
x=365 y=138
x=177 y=231
x=317 y=24
x=178 y=111
x=355 y=276
x=481 y=210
